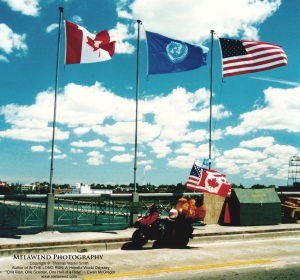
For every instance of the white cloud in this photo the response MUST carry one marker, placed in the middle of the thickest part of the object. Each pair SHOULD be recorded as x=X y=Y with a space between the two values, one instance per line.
x=121 y=9
x=190 y=106
x=51 y=27
x=77 y=19
x=190 y=153
x=118 y=133
x=94 y=109
x=181 y=162
x=119 y=34
x=95 y=158
x=117 y=148
x=76 y=151
x=99 y=102
x=122 y=158
x=3 y=58
x=230 y=17
x=89 y=144
x=123 y=132
x=11 y=42
x=185 y=148
x=160 y=148
x=55 y=150
x=282 y=150
x=259 y=142
x=147 y=167
x=31 y=123
x=146 y=164
x=26 y=7
x=35 y=135
x=277 y=81
x=81 y=130
x=244 y=154
x=38 y=148
x=270 y=161
x=281 y=112
x=62 y=156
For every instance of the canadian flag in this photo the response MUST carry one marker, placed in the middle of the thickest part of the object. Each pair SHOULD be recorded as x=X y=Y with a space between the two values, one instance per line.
x=214 y=182
x=85 y=47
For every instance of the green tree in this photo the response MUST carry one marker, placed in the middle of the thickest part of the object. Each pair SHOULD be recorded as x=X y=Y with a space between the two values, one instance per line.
x=258 y=186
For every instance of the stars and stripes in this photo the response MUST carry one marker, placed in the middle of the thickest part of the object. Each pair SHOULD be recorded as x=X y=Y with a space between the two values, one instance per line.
x=194 y=177
x=245 y=56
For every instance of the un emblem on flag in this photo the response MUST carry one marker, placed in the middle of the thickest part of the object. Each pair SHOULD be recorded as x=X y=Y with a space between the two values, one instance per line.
x=177 y=52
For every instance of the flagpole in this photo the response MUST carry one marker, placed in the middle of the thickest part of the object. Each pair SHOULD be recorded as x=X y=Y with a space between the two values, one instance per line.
x=61 y=10
x=211 y=93
x=136 y=103
x=135 y=195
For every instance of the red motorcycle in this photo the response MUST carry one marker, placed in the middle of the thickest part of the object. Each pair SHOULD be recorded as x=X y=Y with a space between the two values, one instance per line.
x=175 y=232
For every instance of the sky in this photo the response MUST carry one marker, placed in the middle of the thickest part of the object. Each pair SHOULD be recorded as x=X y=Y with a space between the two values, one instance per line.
x=255 y=117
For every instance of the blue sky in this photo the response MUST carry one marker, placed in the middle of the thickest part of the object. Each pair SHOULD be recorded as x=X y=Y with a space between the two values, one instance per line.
x=255 y=116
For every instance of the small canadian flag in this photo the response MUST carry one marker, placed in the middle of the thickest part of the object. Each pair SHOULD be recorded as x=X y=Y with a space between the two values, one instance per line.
x=85 y=47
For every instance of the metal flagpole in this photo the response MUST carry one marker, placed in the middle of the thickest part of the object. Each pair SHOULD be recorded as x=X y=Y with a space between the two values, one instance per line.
x=61 y=10
x=136 y=102
x=211 y=92
x=49 y=214
x=135 y=196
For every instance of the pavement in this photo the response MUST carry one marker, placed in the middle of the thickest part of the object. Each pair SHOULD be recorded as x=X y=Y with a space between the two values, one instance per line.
x=80 y=242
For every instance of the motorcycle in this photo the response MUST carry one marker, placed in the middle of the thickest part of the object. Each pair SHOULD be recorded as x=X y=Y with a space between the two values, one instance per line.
x=174 y=232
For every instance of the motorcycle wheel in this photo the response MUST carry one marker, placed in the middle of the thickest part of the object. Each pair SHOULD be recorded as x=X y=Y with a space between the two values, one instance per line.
x=181 y=241
x=139 y=238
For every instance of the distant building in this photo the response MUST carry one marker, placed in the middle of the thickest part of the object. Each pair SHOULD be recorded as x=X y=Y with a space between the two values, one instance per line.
x=62 y=191
x=86 y=189
x=294 y=188
x=24 y=188
x=4 y=187
x=4 y=184
x=77 y=185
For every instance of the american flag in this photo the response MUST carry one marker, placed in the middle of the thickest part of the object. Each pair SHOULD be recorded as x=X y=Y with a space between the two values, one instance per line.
x=245 y=56
x=194 y=177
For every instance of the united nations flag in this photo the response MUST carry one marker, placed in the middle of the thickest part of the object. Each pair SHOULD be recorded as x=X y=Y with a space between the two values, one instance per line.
x=167 y=55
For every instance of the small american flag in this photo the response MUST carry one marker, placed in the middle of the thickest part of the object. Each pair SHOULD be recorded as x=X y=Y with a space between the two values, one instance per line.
x=245 y=56
x=194 y=177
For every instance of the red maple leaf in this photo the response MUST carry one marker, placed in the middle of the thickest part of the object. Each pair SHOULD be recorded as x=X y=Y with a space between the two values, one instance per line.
x=102 y=41
x=91 y=43
x=213 y=182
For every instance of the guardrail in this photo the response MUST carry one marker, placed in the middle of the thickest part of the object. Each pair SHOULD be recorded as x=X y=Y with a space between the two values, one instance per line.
x=51 y=211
